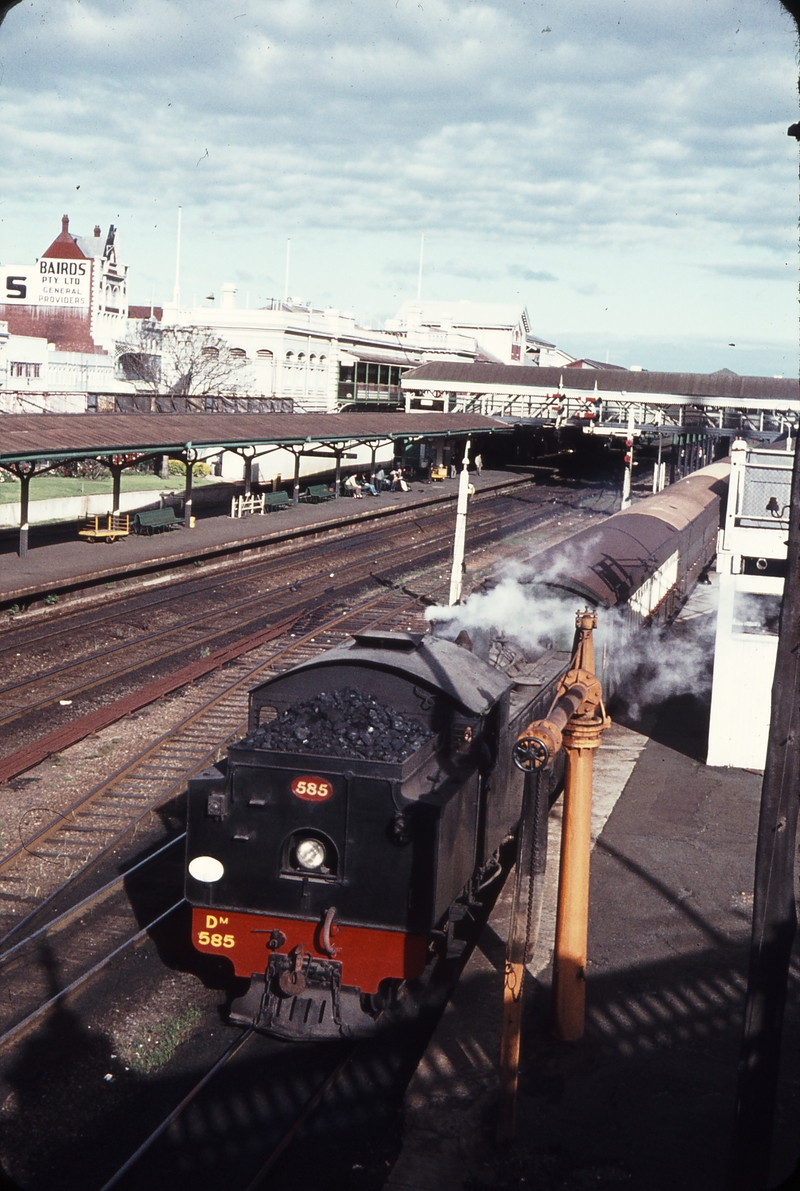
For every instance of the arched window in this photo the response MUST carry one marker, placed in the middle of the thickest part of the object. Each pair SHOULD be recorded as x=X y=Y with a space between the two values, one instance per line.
x=263 y=353
x=290 y=357
x=323 y=360
x=312 y=361
x=211 y=353
x=238 y=353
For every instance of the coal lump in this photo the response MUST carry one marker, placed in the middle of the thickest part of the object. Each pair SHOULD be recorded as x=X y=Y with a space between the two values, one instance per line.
x=343 y=723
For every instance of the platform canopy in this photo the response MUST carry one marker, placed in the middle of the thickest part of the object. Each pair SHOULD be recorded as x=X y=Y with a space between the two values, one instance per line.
x=601 y=397
x=47 y=437
x=34 y=443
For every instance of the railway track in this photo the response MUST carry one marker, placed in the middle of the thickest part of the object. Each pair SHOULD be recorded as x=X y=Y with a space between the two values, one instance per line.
x=28 y=704
x=59 y=938
x=54 y=946
x=62 y=846
x=325 y=1109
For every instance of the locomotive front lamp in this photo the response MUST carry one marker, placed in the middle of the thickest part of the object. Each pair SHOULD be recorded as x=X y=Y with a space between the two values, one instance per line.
x=206 y=869
x=310 y=853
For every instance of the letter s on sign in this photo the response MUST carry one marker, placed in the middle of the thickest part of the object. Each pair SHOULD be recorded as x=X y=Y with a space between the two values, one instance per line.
x=15 y=287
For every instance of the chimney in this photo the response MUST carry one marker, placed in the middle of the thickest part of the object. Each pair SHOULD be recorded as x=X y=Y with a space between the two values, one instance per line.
x=97 y=231
x=64 y=225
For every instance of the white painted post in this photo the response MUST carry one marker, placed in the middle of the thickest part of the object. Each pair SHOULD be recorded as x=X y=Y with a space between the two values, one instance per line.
x=626 y=479
x=459 y=542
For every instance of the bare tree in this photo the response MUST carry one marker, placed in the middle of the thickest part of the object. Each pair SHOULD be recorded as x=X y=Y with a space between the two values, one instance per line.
x=182 y=362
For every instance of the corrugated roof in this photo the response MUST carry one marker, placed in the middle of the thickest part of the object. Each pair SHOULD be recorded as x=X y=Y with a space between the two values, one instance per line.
x=52 y=436
x=474 y=377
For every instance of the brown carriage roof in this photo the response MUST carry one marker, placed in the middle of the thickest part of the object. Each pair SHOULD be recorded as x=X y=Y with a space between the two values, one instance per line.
x=519 y=377
x=54 y=436
x=606 y=562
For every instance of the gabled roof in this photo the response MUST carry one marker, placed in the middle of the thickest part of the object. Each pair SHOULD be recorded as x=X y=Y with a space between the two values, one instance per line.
x=65 y=246
x=587 y=363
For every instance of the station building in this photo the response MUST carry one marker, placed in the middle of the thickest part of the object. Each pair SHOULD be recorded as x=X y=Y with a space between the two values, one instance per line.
x=324 y=361
x=501 y=330
x=60 y=319
x=84 y=345
x=74 y=295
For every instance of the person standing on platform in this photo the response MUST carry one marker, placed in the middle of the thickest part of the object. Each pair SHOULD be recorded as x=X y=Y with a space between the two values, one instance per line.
x=479 y=463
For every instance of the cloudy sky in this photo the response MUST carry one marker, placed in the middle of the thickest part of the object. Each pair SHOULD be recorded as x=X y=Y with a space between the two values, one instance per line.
x=622 y=167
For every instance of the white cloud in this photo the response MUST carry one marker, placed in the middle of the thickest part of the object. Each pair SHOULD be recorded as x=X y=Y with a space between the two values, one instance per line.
x=626 y=132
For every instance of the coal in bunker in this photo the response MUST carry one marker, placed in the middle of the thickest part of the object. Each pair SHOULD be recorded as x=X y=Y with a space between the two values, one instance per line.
x=343 y=723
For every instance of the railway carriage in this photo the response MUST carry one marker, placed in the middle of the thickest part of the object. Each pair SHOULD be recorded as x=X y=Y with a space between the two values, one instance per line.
x=332 y=853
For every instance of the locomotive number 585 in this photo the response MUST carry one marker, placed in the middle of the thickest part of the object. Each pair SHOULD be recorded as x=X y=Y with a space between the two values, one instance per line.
x=311 y=789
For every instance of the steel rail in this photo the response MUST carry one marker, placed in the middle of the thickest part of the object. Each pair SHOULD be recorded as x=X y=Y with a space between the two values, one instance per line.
x=16 y=762
x=308 y=1108
x=189 y=625
x=57 y=824
x=65 y=618
x=23 y=1026
x=225 y=1058
x=30 y=755
x=64 y=918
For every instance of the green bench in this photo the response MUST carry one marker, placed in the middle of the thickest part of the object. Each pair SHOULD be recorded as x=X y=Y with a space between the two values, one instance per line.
x=275 y=501
x=317 y=493
x=155 y=520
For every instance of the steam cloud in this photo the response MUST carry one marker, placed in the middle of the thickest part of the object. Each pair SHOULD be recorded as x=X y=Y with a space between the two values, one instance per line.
x=643 y=665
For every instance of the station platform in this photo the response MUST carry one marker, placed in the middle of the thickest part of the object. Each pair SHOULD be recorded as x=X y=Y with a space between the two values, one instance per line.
x=53 y=566
x=645 y=1099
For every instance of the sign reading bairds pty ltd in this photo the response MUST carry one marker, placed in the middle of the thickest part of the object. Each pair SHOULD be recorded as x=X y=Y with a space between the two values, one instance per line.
x=50 y=282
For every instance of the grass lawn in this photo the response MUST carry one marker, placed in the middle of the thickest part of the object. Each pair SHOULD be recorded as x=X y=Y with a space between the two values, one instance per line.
x=52 y=487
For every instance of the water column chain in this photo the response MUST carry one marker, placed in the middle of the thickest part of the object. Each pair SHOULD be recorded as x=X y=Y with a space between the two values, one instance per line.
x=576 y=721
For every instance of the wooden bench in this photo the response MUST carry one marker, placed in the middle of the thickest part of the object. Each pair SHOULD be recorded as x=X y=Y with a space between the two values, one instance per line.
x=115 y=527
x=275 y=501
x=155 y=520
x=317 y=493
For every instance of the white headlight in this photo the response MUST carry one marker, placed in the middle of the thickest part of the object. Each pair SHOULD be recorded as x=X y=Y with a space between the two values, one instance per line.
x=205 y=868
x=310 y=853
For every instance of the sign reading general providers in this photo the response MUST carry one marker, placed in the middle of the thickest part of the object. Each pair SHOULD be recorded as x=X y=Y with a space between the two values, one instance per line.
x=50 y=282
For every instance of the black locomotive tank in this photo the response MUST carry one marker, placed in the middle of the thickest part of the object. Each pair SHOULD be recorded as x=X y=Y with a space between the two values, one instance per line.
x=321 y=867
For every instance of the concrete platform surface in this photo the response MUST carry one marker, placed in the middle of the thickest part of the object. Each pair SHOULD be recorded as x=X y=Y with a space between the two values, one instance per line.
x=55 y=564
x=645 y=1100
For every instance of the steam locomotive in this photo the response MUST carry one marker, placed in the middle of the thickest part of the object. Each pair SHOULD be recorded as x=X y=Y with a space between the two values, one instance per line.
x=332 y=853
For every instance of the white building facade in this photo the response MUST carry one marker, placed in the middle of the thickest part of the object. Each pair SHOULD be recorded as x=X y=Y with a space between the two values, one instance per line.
x=751 y=563
x=501 y=330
